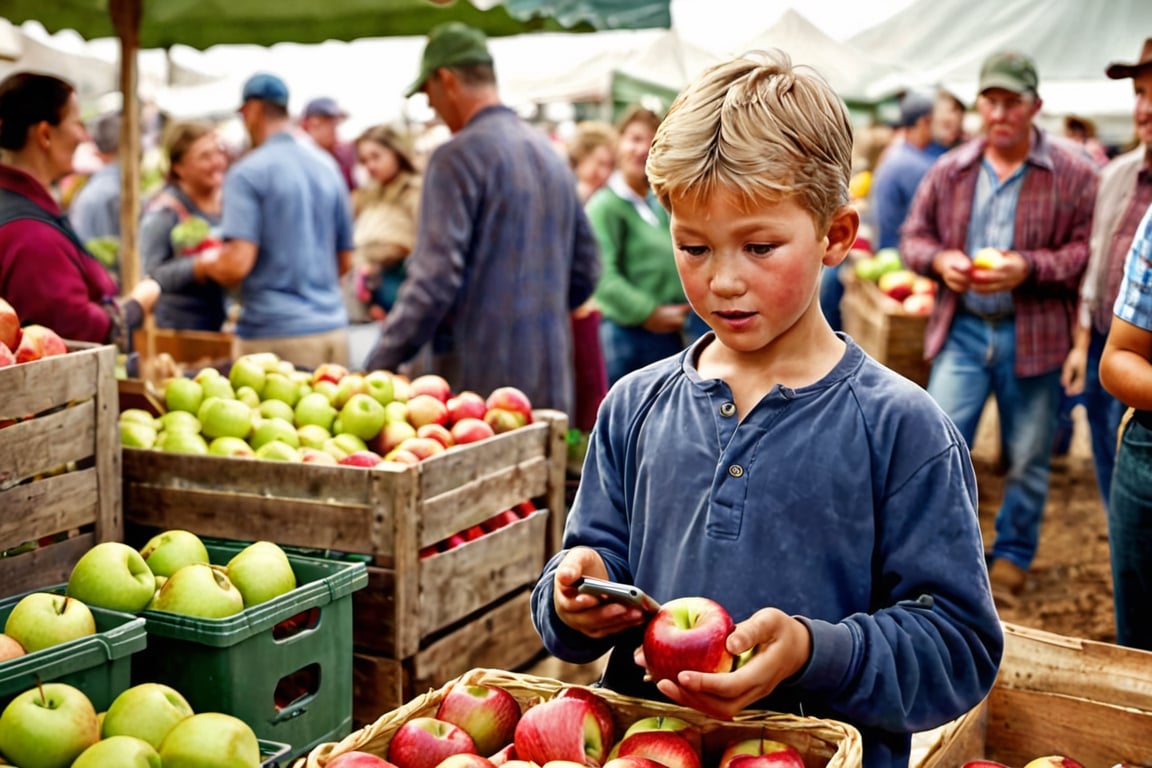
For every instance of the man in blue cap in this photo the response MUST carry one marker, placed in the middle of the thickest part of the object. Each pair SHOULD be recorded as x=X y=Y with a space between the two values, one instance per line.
x=503 y=253
x=287 y=228
x=321 y=120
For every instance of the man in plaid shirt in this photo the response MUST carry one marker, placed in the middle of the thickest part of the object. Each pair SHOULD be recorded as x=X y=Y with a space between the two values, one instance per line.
x=1002 y=223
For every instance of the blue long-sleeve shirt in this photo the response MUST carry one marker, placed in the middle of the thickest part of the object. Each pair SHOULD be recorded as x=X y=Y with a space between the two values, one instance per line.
x=853 y=507
x=893 y=187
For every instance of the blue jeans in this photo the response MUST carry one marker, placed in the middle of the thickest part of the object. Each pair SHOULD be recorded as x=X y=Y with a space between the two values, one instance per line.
x=1104 y=414
x=978 y=360
x=628 y=348
x=1130 y=537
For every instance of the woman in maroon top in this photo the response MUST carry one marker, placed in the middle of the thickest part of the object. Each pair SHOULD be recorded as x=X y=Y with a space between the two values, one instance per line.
x=45 y=272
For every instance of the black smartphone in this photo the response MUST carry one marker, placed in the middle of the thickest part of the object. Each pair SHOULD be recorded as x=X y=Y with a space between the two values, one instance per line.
x=618 y=593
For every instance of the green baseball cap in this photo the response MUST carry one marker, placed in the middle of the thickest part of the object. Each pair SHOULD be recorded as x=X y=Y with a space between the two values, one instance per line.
x=451 y=45
x=1009 y=70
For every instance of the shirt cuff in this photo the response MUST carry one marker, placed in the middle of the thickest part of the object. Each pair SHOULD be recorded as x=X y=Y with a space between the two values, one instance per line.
x=830 y=659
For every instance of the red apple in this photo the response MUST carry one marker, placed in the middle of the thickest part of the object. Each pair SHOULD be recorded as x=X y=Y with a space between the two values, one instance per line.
x=983 y=764
x=453 y=541
x=37 y=341
x=665 y=747
x=430 y=384
x=466 y=760
x=560 y=729
x=1052 y=761
x=688 y=633
x=465 y=405
x=897 y=284
x=426 y=409
x=391 y=435
x=765 y=753
x=7 y=357
x=474 y=533
x=919 y=304
x=361 y=459
x=437 y=432
x=508 y=400
x=922 y=284
x=422 y=447
x=358 y=760
x=496 y=522
x=316 y=456
x=9 y=326
x=667 y=723
x=329 y=372
x=502 y=420
x=423 y=742
x=505 y=755
x=401 y=456
x=525 y=508
x=633 y=761
x=487 y=713
x=470 y=430
x=600 y=709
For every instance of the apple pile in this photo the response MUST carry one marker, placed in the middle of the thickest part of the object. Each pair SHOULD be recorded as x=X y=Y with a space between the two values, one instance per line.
x=23 y=345
x=916 y=293
x=54 y=725
x=494 y=523
x=267 y=409
x=172 y=572
x=480 y=726
x=1047 y=761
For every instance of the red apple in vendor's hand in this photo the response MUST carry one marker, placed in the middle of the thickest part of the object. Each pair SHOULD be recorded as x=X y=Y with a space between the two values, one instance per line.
x=560 y=729
x=988 y=258
x=665 y=747
x=688 y=633
x=470 y=430
x=488 y=714
x=761 y=753
x=423 y=742
x=600 y=709
x=466 y=405
x=358 y=760
x=430 y=384
x=9 y=326
x=426 y=409
x=36 y=342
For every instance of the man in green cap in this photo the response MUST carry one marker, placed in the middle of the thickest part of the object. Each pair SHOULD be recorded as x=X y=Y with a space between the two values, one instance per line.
x=503 y=252
x=1002 y=224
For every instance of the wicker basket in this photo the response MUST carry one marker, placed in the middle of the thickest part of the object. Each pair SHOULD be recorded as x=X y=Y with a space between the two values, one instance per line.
x=823 y=743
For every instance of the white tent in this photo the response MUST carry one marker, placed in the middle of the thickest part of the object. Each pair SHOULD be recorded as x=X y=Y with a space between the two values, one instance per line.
x=91 y=76
x=944 y=42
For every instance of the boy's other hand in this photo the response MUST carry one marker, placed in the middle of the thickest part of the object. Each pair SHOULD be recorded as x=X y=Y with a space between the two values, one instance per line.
x=783 y=646
x=588 y=613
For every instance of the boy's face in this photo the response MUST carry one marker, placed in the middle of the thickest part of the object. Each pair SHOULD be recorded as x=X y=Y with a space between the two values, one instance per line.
x=753 y=275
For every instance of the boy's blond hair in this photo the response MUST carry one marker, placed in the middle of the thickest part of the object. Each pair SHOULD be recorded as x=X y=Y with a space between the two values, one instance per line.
x=760 y=128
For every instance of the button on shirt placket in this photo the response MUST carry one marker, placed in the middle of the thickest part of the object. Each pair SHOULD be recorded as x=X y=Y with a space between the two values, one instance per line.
x=728 y=484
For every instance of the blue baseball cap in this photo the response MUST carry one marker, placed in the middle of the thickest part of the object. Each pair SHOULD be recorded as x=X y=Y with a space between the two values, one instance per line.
x=266 y=87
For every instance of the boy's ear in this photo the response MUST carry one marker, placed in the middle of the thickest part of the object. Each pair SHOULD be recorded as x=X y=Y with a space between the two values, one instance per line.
x=842 y=229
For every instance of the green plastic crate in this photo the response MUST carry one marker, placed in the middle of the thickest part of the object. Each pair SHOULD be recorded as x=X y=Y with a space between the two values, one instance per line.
x=234 y=665
x=272 y=753
x=100 y=665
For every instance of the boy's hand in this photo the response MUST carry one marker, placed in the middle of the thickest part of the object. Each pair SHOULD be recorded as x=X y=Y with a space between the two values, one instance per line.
x=588 y=613
x=782 y=645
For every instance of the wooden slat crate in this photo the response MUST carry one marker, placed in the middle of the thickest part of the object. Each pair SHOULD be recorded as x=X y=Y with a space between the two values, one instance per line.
x=1057 y=695
x=884 y=330
x=59 y=464
x=387 y=514
x=194 y=349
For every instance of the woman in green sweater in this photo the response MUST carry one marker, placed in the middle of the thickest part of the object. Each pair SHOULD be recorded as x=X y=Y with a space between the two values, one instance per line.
x=639 y=293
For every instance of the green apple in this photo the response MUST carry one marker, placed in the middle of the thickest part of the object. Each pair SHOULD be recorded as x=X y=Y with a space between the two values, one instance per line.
x=312 y=435
x=231 y=446
x=134 y=435
x=277 y=386
x=210 y=740
x=181 y=394
x=112 y=575
x=396 y=411
x=179 y=421
x=147 y=711
x=169 y=551
x=225 y=418
x=137 y=416
x=348 y=443
x=277 y=450
x=314 y=408
x=327 y=388
x=261 y=571
x=48 y=726
x=205 y=373
x=351 y=384
x=219 y=387
x=247 y=372
x=41 y=620
x=380 y=386
x=199 y=590
x=119 y=751
x=248 y=396
x=334 y=449
x=362 y=415
x=285 y=367
x=184 y=442
x=276 y=409
x=274 y=428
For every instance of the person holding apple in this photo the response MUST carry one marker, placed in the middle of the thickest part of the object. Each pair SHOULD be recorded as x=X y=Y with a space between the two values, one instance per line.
x=1003 y=223
x=773 y=469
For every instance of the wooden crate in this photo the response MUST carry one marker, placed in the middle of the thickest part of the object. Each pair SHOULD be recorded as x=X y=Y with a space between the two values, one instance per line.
x=193 y=349
x=1057 y=695
x=822 y=743
x=387 y=514
x=59 y=463
x=879 y=324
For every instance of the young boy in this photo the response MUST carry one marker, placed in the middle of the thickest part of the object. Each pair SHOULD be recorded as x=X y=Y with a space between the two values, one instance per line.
x=774 y=467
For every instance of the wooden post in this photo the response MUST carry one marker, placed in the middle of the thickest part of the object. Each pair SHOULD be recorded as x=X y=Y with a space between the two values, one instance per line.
x=126 y=19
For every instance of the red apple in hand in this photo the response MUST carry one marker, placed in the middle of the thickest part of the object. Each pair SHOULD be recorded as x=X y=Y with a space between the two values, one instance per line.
x=761 y=753
x=9 y=326
x=358 y=760
x=423 y=742
x=38 y=341
x=560 y=729
x=665 y=747
x=688 y=633
x=486 y=713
